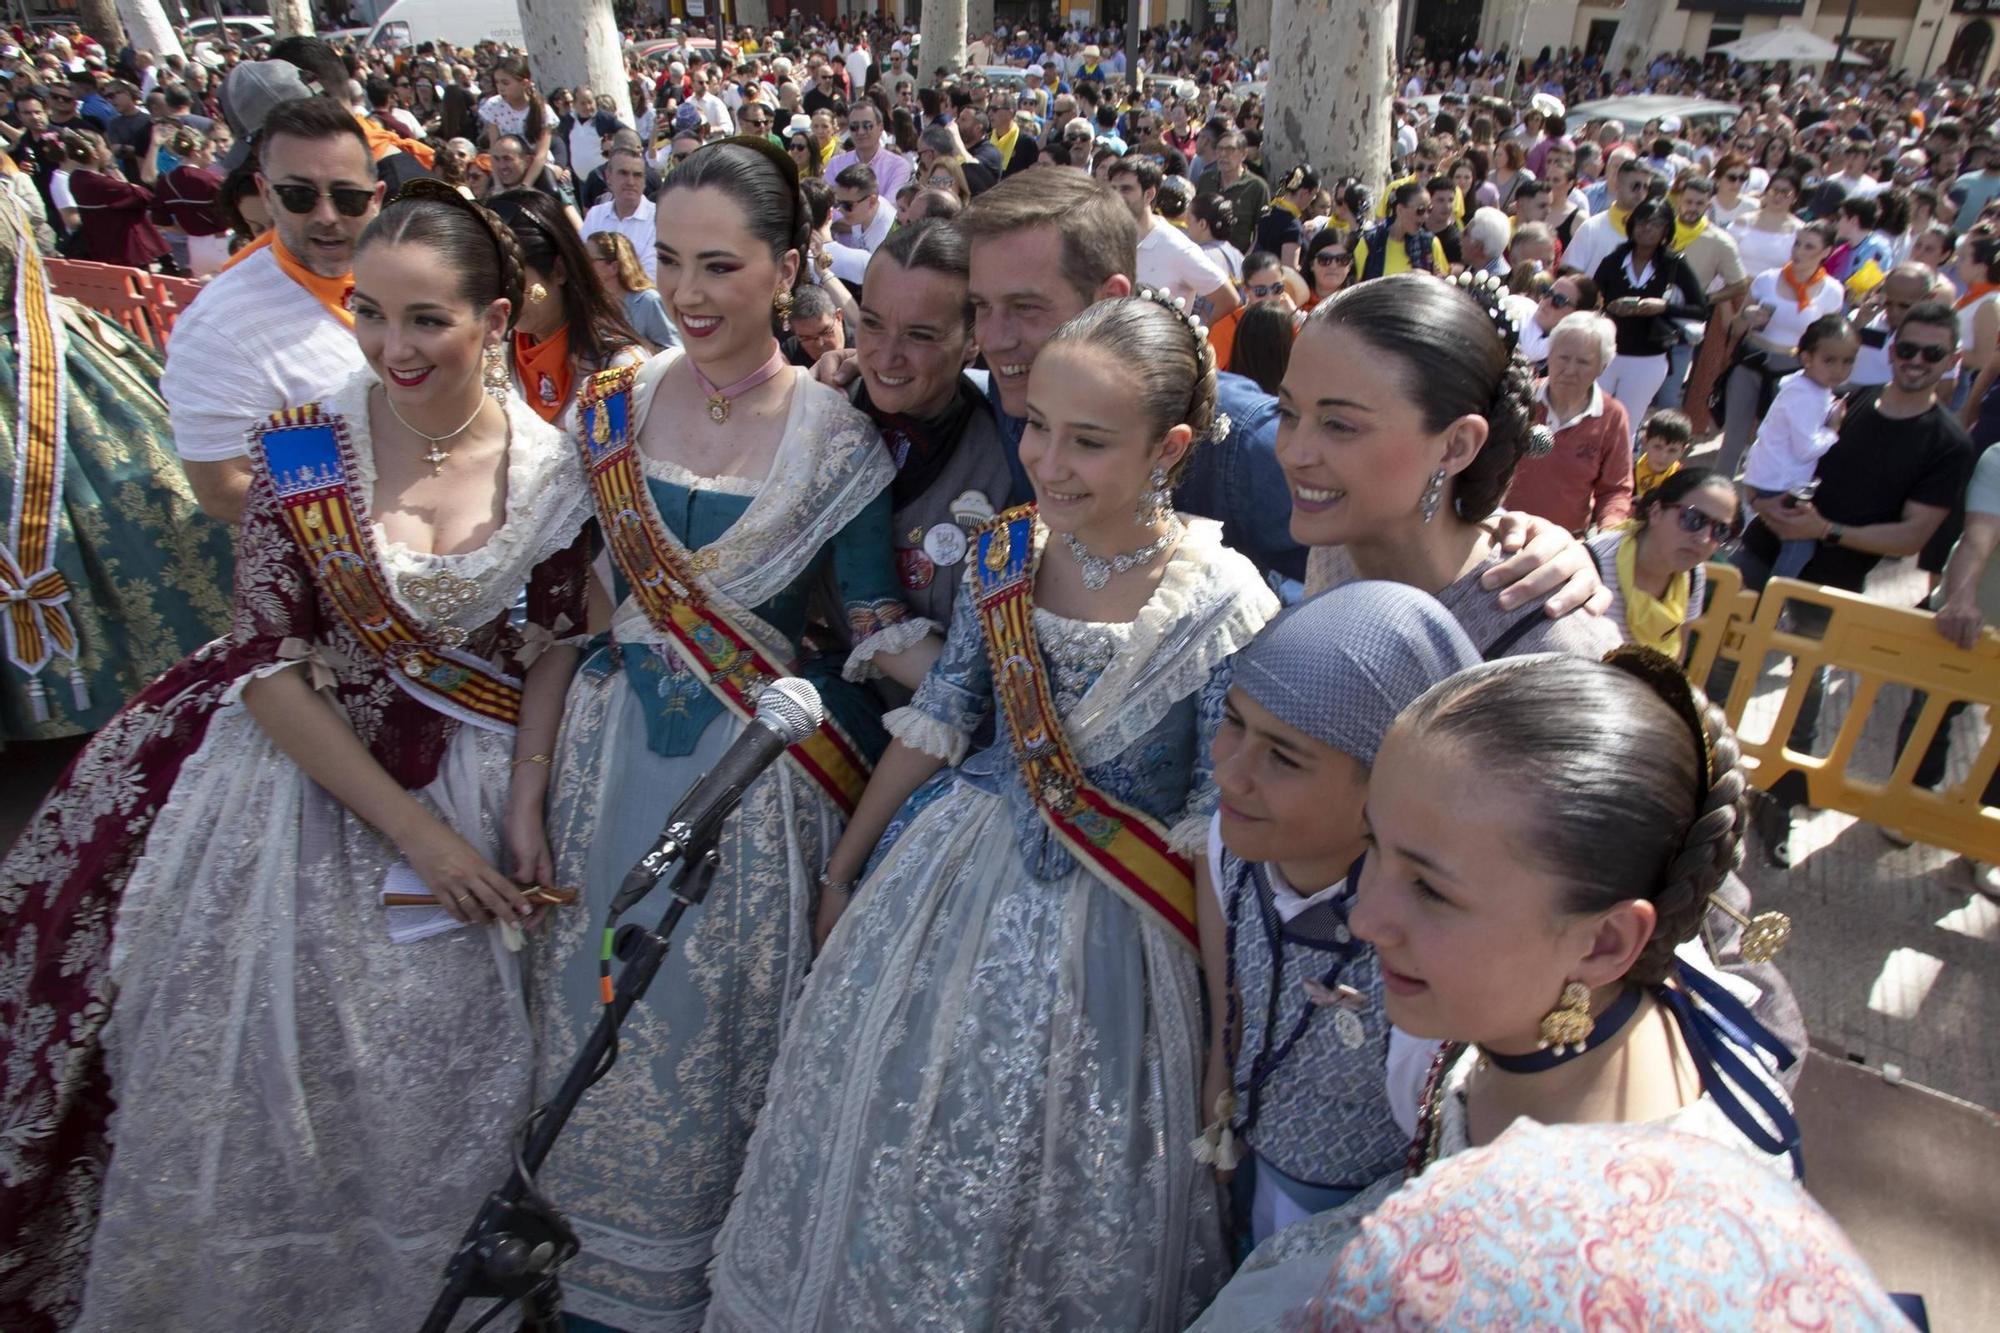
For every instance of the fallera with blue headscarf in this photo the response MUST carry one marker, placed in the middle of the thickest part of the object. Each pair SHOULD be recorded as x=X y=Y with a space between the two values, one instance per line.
x=1296 y=1078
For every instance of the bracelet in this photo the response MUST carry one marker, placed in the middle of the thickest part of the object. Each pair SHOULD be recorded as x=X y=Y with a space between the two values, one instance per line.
x=541 y=759
x=1834 y=532
x=843 y=886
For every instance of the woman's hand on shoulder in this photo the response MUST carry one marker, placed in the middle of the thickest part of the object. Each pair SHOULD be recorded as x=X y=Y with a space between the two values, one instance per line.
x=1543 y=563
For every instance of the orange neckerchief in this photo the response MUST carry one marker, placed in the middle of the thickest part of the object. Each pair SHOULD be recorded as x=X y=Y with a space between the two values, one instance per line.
x=330 y=292
x=1802 y=292
x=1974 y=292
x=381 y=143
x=546 y=374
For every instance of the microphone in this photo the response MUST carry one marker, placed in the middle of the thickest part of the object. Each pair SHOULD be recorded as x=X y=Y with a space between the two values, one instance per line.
x=788 y=711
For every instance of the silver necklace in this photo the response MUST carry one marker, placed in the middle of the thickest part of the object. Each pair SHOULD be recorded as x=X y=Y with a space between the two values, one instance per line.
x=1097 y=571
x=435 y=456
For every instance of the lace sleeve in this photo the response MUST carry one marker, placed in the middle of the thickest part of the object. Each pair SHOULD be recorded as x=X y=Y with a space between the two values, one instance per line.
x=957 y=695
x=1189 y=834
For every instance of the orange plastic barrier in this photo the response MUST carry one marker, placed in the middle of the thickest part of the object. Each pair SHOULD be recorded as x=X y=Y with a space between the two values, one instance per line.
x=122 y=294
x=1877 y=646
x=169 y=297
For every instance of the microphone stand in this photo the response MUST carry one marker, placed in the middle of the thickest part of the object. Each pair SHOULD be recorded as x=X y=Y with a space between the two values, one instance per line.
x=519 y=1241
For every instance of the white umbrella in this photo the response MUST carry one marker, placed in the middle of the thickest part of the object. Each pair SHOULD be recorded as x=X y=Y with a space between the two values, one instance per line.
x=1795 y=45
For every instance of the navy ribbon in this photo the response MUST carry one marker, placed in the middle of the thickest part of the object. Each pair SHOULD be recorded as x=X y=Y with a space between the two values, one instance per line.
x=1718 y=1028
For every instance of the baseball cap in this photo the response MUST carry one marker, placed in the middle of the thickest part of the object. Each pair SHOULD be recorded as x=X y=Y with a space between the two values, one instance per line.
x=1670 y=124
x=250 y=94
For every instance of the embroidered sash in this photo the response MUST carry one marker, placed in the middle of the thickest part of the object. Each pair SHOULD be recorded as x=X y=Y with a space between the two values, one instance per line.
x=311 y=466
x=661 y=574
x=1124 y=847
x=34 y=592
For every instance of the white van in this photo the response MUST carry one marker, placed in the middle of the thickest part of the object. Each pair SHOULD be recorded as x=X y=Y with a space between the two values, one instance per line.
x=411 y=23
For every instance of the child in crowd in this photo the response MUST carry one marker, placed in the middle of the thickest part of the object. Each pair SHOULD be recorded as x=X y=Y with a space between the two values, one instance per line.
x=1802 y=424
x=1297 y=1058
x=1663 y=446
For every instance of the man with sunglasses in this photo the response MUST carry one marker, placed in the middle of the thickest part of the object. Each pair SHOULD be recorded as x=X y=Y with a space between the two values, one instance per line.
x=864 y=123
x=272 y=330
x=1895 y=474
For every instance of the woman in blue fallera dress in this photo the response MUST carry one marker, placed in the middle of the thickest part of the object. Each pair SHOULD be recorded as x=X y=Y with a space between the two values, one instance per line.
x=981 y=1113
x=732 y=487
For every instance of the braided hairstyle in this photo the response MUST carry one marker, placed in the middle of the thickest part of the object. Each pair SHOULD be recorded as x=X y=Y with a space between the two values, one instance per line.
x=1445 y=344
x=1168 y=354
x=1633 y=782
x=474 y=243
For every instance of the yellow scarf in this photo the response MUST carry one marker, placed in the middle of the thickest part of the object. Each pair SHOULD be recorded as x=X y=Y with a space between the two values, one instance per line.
x=1287 y=205
x=1684 y=235
x=1005 y=143
x=1618 y=216
x=1654 y=622
x=1645 y=477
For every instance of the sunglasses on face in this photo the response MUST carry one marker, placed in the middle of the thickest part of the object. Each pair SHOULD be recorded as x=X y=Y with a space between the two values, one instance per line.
x=1263 y=291
x=1932 y=354
x=1328 y=258
x=350 y=201
x=1694 y=521
x=1738 y=176
x=1560 y=300
x=860 y=126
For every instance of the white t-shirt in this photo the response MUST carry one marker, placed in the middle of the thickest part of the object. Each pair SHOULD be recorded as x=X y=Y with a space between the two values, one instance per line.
x=586 y=148
x=1169 y=261
x=253 y=342
x=504 y=119
x=1787 y=320
x=1792 y=437
x=638 y=229
x=858 y=61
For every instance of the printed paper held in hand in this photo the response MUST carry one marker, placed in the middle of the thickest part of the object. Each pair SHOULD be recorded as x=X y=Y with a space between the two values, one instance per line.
x=410 y=924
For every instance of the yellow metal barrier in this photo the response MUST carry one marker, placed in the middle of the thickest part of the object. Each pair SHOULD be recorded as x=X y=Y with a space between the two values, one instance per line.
x=1877 y=646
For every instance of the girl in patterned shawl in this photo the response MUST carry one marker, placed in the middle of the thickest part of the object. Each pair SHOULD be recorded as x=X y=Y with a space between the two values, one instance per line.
x=1299 y=1039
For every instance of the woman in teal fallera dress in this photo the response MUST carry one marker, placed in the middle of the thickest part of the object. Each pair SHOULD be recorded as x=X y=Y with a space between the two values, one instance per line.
x=148 y=575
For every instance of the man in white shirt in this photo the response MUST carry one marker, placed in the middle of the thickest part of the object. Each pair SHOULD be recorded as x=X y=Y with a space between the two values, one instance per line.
x=858 y=60
x=626 y=210
x=1907 y=284
x=257 y=339
x=586 y=140
x=1168 y=260
x=862 y=222
x=713 y=109
x=891 y=169
x=1596 y=239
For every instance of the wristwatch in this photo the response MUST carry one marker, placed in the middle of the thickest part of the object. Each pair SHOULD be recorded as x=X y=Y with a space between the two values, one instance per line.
x=1834 y=532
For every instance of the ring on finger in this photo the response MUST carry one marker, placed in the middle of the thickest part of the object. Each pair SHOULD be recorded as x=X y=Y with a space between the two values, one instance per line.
x=460 y=899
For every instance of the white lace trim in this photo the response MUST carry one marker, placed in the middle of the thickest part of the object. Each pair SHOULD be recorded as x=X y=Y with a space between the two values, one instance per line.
x=926 y=735
x=1210 y=602
x=234 y=694
x=665 y=469
x=547 y=505
x=890 y=640
x=830 y=463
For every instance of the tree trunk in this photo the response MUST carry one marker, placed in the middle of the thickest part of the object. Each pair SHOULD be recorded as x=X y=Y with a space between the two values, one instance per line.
x=294 y=18
x=100 y=19
x=1253 y=25
x=943 y=33
x=1632 y=43
x=1332 y=80
x=150 y=28
x=979 y=22
x=572 y=44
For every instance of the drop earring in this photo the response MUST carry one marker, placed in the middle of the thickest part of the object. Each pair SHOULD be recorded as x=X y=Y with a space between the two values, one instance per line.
x=1569 y=1024
x=782 y=304
x=1433 y=495
x=1158 y=500
x=495 y=373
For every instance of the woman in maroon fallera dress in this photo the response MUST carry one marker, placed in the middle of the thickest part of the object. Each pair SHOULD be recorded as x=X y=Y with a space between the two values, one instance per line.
x=308 y=1106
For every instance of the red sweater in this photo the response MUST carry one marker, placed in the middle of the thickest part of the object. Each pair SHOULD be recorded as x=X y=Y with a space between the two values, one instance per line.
x=115 y=227
x=1586 y=480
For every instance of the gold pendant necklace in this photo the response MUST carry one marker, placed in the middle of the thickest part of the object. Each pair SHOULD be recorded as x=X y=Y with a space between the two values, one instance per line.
x=436 y=456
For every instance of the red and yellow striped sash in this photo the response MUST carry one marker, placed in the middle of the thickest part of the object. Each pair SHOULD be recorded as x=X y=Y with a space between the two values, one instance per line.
x=311 y=464
x=1124 y=847
x=36 y=595
x=662 y=580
